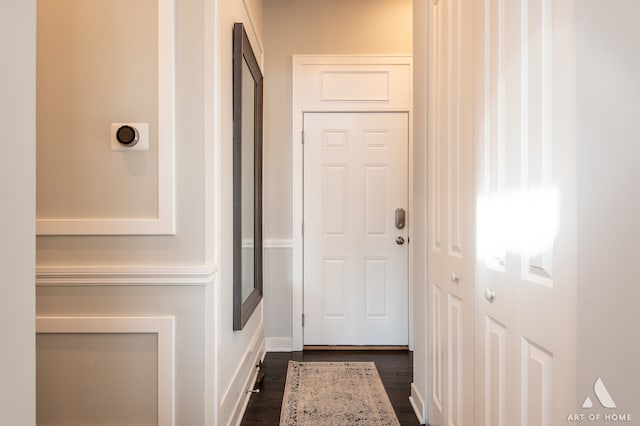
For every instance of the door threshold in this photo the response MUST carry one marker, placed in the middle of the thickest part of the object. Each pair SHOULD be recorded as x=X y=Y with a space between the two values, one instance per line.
x=355 y=348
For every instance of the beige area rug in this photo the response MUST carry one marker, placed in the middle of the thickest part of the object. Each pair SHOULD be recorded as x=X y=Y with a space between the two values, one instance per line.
x=335 y=393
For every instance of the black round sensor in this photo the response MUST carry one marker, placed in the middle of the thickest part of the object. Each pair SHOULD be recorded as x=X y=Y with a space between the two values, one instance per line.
x=127 y=135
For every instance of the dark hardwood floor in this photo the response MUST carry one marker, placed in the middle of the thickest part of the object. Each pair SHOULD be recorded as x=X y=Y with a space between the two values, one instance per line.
x=395 y=368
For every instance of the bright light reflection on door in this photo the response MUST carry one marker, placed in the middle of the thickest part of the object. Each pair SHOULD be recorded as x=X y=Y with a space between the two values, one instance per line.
x=518 y=222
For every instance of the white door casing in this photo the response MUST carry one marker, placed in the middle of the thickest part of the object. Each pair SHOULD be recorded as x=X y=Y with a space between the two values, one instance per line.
x=355 y=258
x=451 y=250
x=525 y=321
x=384 y=85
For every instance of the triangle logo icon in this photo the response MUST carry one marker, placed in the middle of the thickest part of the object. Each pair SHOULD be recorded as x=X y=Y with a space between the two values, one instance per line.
x=602 y=394
x=587 y=403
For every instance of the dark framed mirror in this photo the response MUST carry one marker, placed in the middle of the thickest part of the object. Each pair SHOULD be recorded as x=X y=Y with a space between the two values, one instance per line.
x=247 y=179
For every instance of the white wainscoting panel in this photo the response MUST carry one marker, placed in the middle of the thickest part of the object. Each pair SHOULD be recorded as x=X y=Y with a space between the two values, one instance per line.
x=163 y=327
x=235 y=397
x=163 y=223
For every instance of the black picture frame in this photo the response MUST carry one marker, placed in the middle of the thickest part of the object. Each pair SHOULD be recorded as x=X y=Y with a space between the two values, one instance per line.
x=243 y=54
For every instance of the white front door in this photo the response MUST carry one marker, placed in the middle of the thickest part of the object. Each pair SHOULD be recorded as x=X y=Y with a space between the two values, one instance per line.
x=355 y=257
x=525 y=321
x=451 y=251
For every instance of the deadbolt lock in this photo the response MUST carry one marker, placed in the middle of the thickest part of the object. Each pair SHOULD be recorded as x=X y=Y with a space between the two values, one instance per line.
x=400 y=218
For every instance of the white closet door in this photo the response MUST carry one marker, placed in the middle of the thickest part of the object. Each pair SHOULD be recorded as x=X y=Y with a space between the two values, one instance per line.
x=450 y=210
x=525 y=320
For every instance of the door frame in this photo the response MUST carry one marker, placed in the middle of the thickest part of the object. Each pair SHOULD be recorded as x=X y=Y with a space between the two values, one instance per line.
x=308 y=72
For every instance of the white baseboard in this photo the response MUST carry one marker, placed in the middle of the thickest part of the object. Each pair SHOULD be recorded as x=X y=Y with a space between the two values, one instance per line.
x=417 y=403
x=279 y=344
x=235 y=399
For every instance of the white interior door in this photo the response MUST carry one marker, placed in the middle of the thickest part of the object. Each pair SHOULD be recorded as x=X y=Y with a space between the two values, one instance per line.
x=355 y=258
x=450 y=211
x=525 y=322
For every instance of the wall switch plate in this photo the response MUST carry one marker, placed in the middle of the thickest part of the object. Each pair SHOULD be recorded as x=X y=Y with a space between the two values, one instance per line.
x=143 y=137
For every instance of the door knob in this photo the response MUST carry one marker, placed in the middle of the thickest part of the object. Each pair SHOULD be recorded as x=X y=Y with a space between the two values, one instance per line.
x=454 y=277
x=400 y=241
x=489 y=294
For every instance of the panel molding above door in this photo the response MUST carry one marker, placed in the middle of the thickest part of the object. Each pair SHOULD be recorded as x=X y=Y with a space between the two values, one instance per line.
x=309 y=73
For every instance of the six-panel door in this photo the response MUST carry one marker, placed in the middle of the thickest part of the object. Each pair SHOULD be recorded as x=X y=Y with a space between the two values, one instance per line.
x=355 y=257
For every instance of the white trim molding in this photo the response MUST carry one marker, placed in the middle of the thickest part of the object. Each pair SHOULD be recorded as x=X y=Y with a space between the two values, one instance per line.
x=417 y=403
x=235 y=397
x=163 y=327
x=254 y=35
x=278 y=244
x=279 y=344
x=72 y=276
x=164 y=222
x=308 y=72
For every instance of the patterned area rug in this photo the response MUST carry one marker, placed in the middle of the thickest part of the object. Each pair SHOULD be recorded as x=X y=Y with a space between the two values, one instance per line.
x=335 y=393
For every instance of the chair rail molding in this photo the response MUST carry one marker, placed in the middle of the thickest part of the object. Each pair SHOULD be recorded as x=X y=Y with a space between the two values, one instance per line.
x=70 y=276
x=278 y=244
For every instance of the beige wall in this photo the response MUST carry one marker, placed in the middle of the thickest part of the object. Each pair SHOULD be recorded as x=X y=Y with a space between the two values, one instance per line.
x=187 y=275
x=329 y=27
x=332 y=27
x=96 y=371
x=76 y=173
x=608 y=61
x=81 y=176
x=94 y=69
x=17 y=215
